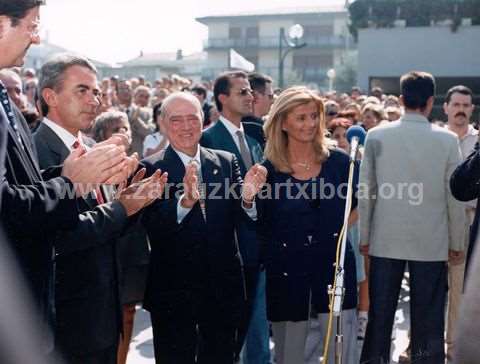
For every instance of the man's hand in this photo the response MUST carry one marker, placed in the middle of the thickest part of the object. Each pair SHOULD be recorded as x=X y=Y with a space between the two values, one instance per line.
x=364 y=249
x=456 y=257
x=253 y=182
x=97 y=166
x=117 y=139
x=142 y=192
x=190 y=182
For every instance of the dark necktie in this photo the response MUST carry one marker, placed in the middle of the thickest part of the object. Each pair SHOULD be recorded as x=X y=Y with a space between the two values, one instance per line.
x=244 y=152
x=9 y=111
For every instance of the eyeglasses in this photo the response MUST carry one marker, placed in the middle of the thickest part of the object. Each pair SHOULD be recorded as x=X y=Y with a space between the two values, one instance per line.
x=245 y=92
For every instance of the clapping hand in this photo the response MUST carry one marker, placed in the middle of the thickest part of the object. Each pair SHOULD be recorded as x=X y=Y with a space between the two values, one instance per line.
x=253 y=182
x=190 y=182
x=142 y=192
x=86 y=169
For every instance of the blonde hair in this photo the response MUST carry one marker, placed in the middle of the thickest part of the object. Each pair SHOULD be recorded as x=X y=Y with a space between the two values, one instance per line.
x=277 y=139
x=375 y=109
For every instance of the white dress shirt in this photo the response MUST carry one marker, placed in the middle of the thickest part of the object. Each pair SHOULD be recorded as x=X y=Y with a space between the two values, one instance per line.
x=232 y=130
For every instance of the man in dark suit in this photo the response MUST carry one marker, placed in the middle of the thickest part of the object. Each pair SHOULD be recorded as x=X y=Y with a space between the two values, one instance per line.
x=88 y=309
x=262 y=102
x=34 y=210
x=234 y=97
x=464 y=185
x=195 y=275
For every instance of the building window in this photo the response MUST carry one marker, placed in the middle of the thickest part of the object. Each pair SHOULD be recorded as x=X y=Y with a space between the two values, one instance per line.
x=235 y=33
x=252 y=32
x=315 y=31
x=313 y=61
x=312 y=67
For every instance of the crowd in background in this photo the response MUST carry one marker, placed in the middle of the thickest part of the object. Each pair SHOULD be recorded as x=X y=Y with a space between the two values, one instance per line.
x=221 y=276
x=133 y=107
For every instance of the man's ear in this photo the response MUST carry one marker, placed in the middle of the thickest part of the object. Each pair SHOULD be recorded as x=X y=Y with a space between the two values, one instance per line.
x=222 y=98
x=50 y=97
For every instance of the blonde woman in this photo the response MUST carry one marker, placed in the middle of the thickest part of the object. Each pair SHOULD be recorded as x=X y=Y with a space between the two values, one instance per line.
x=300 y=215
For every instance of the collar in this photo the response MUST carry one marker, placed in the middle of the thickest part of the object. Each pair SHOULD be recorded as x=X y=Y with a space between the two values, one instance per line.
x=186 y=159
x=231 y=127
x=471 y=132
x=415 y=117
x=67 y=138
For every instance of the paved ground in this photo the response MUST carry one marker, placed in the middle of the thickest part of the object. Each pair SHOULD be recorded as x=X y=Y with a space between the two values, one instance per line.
x=141 y=348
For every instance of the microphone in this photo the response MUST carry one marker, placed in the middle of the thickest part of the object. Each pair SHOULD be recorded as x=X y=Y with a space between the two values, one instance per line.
x=356 y=137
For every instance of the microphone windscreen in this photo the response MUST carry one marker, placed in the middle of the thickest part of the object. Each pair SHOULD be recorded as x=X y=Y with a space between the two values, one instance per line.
x=356 y=131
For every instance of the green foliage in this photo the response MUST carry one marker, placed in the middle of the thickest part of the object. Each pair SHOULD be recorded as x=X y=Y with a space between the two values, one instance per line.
x=416 y=13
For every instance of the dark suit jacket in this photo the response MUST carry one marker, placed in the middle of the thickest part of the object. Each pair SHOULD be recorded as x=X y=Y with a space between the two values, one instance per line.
x=195 y=267
x=33 y=211
x=218 y=137
x=465 y=186
x=3 y=149
x=254 y=128
x=87 y=294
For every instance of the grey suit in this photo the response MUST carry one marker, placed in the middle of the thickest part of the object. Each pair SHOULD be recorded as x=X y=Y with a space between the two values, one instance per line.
x=410 y=154
x=409 y=216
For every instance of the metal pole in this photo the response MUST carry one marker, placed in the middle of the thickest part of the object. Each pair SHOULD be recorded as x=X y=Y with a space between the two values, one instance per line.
x=339 y=291
x=280 y=57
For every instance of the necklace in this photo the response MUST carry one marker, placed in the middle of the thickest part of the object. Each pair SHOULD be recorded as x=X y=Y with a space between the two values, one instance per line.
x=305 y=165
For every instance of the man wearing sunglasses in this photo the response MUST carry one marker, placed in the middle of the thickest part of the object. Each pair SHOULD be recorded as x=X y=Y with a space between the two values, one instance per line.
x=263 y=98
x=234 y=100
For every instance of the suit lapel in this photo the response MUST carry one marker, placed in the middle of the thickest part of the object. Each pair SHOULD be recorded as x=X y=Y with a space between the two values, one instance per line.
x=176 y=169
x=26 y=154
x=55 y=144
x=212 y=176
x=226 y=142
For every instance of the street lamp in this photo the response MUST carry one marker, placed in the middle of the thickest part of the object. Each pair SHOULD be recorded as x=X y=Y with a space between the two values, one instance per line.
x=331 y=74
x=295 y=33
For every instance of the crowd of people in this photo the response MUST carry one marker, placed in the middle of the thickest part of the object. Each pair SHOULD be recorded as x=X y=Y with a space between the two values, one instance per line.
x=207 y=204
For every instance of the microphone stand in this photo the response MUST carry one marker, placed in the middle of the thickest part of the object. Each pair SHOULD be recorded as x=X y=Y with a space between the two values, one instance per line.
x=338 y=289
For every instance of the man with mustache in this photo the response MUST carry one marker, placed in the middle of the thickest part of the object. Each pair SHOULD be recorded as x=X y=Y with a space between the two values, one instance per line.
x=458 y=107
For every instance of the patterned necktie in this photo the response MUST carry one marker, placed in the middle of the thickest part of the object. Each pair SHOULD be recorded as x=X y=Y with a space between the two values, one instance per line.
x=244 y=152
x=8 y=110
x=201 y=189
x=98 y=192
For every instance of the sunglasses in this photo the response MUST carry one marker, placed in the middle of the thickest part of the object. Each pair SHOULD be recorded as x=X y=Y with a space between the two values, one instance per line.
x=245 y=92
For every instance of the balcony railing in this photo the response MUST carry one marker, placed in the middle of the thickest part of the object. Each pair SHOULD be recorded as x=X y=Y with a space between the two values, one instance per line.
x=321 y=41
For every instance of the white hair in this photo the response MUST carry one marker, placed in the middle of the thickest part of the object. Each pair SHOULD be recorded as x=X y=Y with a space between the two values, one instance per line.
x=179 y=96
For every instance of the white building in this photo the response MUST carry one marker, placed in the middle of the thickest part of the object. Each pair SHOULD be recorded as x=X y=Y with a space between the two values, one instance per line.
x=38 y=54
x=385 y=54
x=256 y=36
x=154 y=66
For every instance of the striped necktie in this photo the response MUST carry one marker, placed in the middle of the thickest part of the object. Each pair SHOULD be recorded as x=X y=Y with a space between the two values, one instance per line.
x=4 y=99
x=244 y=152
x=201 y=189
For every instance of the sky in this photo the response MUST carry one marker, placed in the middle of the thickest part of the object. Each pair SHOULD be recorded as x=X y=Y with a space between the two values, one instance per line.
x=118 y=30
